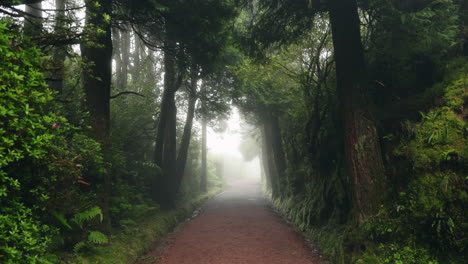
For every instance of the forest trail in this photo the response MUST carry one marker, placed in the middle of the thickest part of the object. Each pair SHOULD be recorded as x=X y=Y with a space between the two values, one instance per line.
x=237 y=226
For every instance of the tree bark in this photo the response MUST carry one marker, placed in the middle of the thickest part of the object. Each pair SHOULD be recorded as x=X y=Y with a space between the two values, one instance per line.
x=165 y=151
x=137 y=58
x=277 y=147
x=265 y=165
x=59 y=53
x=204 y=165
x=185 y=142
x=97 y=85
x=117 y=49
x=362 y=147
x=125 y=48
x=464 y=15
x=33 y=21
x=97 y=81
x=270 y=157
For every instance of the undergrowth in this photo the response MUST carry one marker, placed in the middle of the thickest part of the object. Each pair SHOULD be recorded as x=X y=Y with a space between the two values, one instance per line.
x=135 y=240
x=132 y=242
x=425 y=221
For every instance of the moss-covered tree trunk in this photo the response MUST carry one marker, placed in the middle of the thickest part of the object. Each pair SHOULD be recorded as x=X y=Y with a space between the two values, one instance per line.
x=361 y=140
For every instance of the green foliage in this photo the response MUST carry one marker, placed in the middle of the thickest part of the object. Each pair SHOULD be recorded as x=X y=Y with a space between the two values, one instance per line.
x=126 y=247
x=96 y=237
x=26 y=123
x=395 y=254
x=26 y=131
x=438 y=138
x=46 y=164
x=407 y=47
x=133 y=206
x=263 y=88
x=87 y=215
x=23 y=239
x=78 y=229
x=427 y=221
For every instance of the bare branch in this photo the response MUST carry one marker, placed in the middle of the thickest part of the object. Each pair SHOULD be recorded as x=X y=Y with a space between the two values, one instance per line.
x=124 y=93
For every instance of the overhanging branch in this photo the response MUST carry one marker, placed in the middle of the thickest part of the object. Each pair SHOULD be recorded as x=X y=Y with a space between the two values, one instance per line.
x=124 y=93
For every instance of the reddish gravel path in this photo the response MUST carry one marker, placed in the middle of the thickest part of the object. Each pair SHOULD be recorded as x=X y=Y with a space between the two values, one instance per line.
x=236 y=227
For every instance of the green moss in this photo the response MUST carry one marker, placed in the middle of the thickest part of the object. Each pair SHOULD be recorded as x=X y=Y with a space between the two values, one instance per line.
x=427 y=222
x=126 y=247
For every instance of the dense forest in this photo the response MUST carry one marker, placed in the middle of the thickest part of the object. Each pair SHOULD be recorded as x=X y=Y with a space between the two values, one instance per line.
x=356 y=108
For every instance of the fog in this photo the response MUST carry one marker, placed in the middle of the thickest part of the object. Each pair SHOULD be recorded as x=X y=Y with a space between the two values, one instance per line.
x=226 y=146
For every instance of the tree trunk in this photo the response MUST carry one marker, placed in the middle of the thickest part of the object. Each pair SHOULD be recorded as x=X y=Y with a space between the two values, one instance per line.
x=165 y=151
x=97 y=85
x=59 y=52
x=361 y=141
x=117 y=48
x=185 y=142
x=168 y=164
x=204 y=165
x=277 y=147
x=464 y=15
x=97 y=81
x=265 y=166
x=125 y=48
x=137 y=58
x=33 y=19
x=270 y=157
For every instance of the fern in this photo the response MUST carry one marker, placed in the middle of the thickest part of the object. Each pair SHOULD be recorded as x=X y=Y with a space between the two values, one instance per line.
x=79 y=246
x=88 y=215
x=62 y=220
x=97 y=237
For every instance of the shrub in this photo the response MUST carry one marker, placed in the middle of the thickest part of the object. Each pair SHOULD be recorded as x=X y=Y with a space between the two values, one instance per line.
x=26 y=129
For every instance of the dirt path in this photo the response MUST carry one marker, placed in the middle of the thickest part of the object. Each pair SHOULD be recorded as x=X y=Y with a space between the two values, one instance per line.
x=238 y=226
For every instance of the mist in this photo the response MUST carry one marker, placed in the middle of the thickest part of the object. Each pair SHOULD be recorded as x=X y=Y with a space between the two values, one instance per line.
x=226 y=147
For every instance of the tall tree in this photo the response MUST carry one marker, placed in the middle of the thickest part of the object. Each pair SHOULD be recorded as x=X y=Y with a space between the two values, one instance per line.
x=282 y=23
x=464 y=14
x=97 y=52
x=117 y=50
x=192 y=91
x=33 y=19
x=165 y=151
x=204 y=147
x=207 y=22
x=60 y=52
x=361 y=141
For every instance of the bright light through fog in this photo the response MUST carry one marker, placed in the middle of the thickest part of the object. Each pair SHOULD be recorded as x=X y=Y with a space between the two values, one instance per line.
x=228 y=141
x=226 y=144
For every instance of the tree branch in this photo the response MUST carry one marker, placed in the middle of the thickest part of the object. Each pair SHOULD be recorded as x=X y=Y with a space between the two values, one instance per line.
x=126 y=92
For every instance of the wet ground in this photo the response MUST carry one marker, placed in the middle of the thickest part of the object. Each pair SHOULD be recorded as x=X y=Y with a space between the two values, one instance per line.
x=236 y=227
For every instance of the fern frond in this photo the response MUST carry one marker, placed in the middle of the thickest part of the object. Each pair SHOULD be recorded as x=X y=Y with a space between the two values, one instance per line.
x=79 y=246
x=62 y=220
x=87 y=215
x=97 y=237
